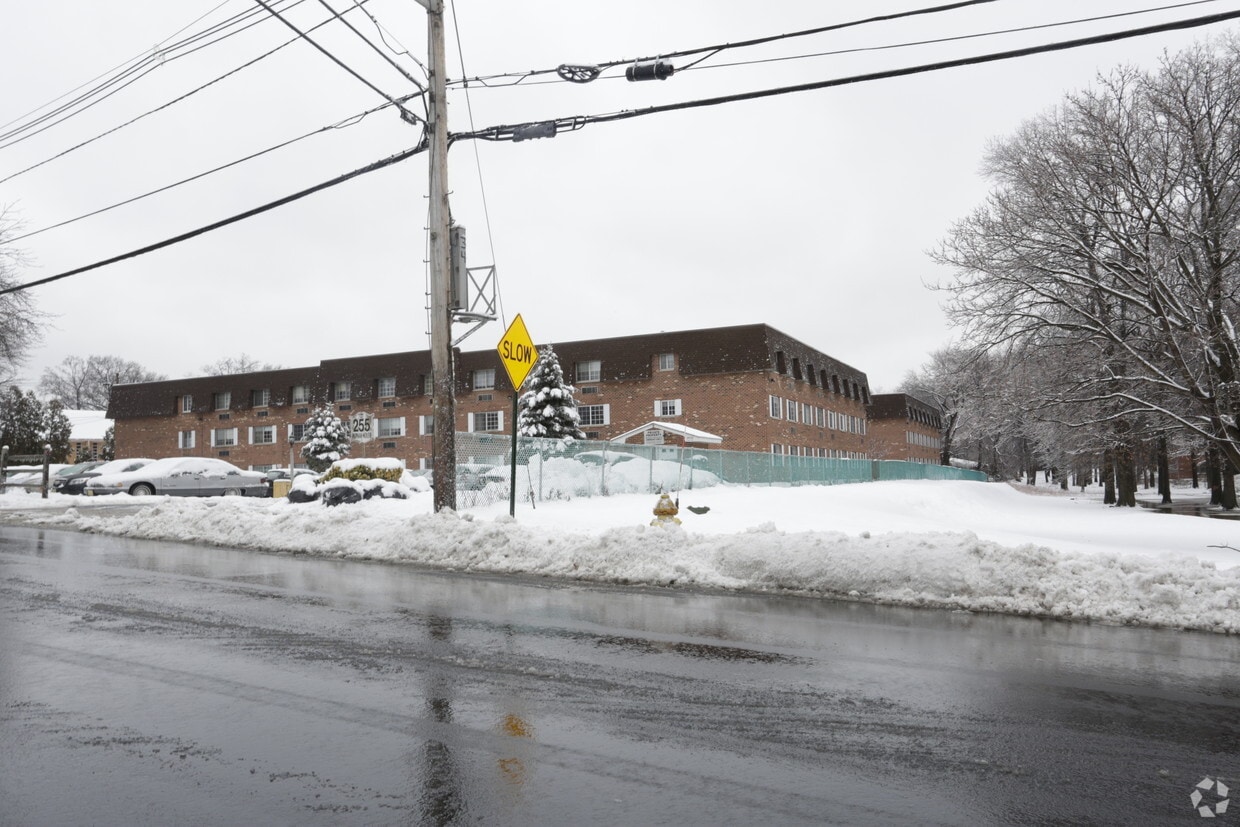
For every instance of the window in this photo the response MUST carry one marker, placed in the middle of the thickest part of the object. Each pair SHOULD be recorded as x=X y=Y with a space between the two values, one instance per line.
x=594 y=414
x=342 y=391
x=484 y=378
x=260 y=398
x=667 y=407
x=223 y=436
x=791 y=407
x=781 y=366
x=796 y=368
x=221 y=401
x=301 y=394
x=392 y=426
x=185 y=439
x=187 y=404
x=297 y=432
x=486 y=421
x=426 y=425
x=263 y=435
x=387 y=387
x=667 y=361
x=428 y=384
x=589 y=371
x=777 y=408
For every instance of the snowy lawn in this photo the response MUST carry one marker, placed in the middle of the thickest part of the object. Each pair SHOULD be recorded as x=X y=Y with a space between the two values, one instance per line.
x=957 y=545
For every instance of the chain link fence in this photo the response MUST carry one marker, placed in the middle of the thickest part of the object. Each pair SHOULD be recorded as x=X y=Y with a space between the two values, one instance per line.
x=549 y=470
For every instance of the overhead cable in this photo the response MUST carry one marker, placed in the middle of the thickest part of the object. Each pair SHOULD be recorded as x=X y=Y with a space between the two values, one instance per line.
x=339 y=125
x=405 y=113
x=280 y=202
x=712 y=49
x=511 y=132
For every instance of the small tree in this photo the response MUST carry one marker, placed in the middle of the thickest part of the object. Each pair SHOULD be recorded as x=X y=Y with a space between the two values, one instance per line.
x=108 y=452
x=21 y=422
x=57 y=429
x=548 y=408
x=327 y=440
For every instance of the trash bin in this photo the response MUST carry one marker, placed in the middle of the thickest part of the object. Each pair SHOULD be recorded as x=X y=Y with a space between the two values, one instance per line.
x=279 y=488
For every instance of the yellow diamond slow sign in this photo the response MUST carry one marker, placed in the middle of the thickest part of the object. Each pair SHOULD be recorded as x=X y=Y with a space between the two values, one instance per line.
x=517 y=352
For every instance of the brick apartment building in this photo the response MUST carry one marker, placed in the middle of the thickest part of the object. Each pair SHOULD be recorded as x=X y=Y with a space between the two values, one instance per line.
x=903 y=427
x=753 y=386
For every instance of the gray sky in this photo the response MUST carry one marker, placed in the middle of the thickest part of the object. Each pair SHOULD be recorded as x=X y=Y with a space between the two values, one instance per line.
x=811 y=212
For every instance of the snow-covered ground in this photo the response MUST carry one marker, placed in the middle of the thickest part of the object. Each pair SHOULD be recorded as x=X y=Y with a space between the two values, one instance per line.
x=957 y=545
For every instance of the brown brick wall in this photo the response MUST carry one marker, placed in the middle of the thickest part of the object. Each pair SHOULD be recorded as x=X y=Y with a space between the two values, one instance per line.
x=732 y=406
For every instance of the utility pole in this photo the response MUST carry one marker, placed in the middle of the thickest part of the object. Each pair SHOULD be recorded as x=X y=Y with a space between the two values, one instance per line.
x=443 y=400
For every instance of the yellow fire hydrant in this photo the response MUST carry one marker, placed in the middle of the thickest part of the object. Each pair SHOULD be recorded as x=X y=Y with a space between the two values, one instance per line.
x=665 y=511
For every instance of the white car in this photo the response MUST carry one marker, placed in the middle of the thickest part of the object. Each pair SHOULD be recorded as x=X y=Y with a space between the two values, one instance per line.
x=181 y=477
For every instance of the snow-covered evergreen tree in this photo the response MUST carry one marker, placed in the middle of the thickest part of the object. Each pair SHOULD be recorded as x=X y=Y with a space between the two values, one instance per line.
x=327 y=440
x=547 y=408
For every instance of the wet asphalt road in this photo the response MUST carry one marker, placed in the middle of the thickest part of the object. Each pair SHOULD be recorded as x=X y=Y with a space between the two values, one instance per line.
x=157 y=683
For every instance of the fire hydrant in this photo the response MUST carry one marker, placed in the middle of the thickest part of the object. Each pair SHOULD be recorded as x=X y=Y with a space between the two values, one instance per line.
x=665 y=511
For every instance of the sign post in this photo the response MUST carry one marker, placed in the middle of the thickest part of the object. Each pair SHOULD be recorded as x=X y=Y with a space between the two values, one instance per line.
x=517 y=352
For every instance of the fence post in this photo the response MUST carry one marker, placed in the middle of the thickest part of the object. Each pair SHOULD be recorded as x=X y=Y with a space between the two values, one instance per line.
x=47 y=461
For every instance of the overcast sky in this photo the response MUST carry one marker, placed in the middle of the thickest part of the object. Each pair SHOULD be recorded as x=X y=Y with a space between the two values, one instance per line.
x=811 y=212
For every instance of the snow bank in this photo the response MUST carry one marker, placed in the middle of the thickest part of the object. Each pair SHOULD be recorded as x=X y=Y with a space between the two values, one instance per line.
x=962 y=546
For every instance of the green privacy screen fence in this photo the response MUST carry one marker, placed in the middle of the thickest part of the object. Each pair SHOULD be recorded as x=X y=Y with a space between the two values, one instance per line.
x=548 y=470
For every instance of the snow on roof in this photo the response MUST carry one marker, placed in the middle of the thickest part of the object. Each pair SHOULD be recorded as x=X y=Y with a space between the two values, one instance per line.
x=87 y=425
x=684 y=431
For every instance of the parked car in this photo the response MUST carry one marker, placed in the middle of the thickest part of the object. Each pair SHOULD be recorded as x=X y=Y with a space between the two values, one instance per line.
x=273 y=474
x=75 y=482
x=181 y=477
x=32 y=480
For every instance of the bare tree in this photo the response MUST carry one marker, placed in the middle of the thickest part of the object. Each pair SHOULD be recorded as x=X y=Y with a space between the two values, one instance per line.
x=236 y=364
x=19 y=318
x=86 y=384
x=1111 y=239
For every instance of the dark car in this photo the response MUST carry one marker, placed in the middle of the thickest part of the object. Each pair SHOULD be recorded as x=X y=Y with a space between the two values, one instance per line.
x=75 y=482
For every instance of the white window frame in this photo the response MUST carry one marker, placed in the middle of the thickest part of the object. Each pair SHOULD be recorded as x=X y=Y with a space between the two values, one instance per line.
x=221 y=396
x=667 y=407
x=776 y=407
x=260 y=397
x=604 y=409
x=300 y=395
x=484 y=379
x=342 y=391
x=667 y=361
x=215 y=437
x=588 y=370
x=426 y=425
x=187 y=440
x=187 y=403
x=486 y=416
x=269 y=430
x=790 y=410
x=387 y=387
x=296 y=435
x=399 y=427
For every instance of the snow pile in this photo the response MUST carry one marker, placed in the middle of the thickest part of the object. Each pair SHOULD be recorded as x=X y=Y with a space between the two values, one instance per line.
x=955 y=545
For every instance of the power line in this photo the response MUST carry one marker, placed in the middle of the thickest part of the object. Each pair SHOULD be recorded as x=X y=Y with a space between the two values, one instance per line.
x=752 y=42
x=154 y=60
x=938 y=40
x=521 y=77
x=541 y=129
x=271 y=205
x=405 y=113
x=376 y=49
x=150 y=112
x=339 y=125
x=469 y=107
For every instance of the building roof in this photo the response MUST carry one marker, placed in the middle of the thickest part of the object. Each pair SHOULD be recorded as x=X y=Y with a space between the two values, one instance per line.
x=738 y=349
x=902 y=406
x=689 y=435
